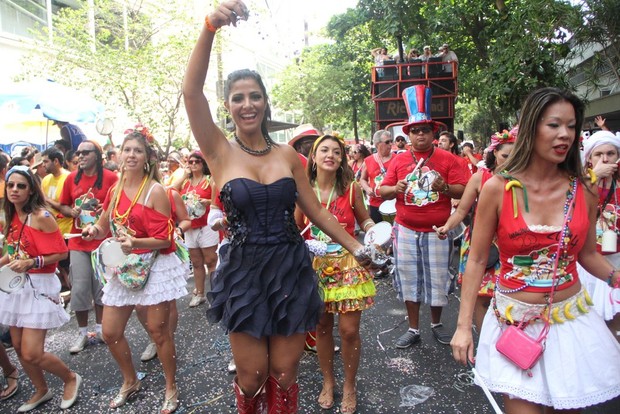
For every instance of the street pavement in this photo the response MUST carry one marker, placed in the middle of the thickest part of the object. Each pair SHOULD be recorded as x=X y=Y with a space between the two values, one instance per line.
x=205 y=386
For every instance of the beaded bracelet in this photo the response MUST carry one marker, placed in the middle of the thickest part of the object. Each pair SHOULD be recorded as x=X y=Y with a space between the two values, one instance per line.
x=209 y=25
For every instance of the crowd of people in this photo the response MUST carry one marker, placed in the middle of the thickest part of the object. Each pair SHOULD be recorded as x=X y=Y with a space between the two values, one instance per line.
x=269 y=233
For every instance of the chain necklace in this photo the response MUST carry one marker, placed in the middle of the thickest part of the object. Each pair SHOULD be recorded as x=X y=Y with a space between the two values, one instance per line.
x=415 y=159
x=250 y=151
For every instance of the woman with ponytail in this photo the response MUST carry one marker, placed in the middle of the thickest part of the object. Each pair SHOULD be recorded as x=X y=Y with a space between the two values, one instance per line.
x=137 y=211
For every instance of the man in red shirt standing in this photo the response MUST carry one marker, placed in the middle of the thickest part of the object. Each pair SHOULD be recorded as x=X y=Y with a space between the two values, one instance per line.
x=374 y=170
x=423 y=181
x=82 y=196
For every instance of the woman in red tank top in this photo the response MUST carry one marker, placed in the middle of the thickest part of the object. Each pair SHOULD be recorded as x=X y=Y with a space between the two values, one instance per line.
x=543 y=209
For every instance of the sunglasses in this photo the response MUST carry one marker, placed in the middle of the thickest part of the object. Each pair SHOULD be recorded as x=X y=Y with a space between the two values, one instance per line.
x=20 y=186
x=83 y=152
x=389 y=141
x=191 y=162
x=400 y=140
x=424 y=130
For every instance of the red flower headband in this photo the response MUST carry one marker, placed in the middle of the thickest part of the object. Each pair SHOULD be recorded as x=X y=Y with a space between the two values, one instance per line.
x=142 y=130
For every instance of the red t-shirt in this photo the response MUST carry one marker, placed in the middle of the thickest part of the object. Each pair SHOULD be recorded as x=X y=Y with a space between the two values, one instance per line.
x=34 y=243
x=71 y=192
x=419 y=208
x=376 y=173
x=202 y=190
x=145 y=222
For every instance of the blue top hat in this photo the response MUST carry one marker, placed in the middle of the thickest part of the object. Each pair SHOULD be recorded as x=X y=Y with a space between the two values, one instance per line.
x=418 y=102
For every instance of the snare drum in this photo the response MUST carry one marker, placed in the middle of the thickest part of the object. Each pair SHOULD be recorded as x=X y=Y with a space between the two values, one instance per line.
x=387 y=209
x=10 y=281
x=379 y=235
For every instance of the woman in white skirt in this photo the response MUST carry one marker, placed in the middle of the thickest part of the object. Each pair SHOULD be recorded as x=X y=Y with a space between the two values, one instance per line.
x=34 y=247
x=601 y=153
x=137 y=211
x=544 y=212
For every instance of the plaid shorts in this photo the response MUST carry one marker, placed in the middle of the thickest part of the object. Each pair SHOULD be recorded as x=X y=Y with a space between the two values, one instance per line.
x=422 y=261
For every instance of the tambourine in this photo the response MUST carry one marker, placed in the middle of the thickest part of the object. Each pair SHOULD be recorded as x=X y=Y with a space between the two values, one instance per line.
x=107 y=257
x=379 y=235
x=10 y=281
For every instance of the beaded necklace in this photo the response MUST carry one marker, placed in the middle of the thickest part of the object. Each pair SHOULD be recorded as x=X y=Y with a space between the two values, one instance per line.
x=563 y=241
x=250 y=151
x=415 y=159
x=122 y=218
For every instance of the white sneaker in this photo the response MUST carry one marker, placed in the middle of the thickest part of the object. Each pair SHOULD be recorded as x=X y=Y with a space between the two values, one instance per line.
x=99 y=337
x=232 y=367
x=149 y=353
x=197 y=300
x=79 y=344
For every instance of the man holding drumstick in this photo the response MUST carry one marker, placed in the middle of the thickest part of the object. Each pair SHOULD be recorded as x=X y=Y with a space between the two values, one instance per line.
x=82 y=196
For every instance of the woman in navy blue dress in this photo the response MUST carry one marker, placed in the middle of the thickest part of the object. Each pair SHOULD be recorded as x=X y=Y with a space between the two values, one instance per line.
x=265 y=291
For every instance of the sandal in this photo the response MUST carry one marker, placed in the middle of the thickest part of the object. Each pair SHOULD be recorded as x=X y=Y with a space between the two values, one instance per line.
x=170 y=404
x=349 y=402
x=326 y=398
x=124 y=395
x=10 y=389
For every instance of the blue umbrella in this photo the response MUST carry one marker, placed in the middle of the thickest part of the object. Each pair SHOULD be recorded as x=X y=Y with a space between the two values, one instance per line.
x=57 y=102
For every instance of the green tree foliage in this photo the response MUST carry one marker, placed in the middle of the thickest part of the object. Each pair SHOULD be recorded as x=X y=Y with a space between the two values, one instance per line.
x=329 y=83
x=139 y=69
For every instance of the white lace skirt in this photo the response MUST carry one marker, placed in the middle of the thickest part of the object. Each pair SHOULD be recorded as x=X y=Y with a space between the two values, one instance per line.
x=604 y=305
x=36 y=305
x=167 y=281
x=580 y=366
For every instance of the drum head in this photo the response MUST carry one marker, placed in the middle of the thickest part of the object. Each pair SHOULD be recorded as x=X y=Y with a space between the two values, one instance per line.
x=111 y=253
x=388 y=207
x=379 y=234
x=11 y=281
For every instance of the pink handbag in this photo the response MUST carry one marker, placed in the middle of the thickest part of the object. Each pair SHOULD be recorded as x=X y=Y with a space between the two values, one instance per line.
x=523 y=350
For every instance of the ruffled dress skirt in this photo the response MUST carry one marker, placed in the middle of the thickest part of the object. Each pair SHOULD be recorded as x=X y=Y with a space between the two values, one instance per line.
x=346 y=286
x=606 y=300
x=167 y=281
x=579 y=367
x=265 y=290
x=36 y=305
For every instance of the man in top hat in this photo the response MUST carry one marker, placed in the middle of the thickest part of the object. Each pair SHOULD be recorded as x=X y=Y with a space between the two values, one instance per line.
x=423 y=180
x=303 y=138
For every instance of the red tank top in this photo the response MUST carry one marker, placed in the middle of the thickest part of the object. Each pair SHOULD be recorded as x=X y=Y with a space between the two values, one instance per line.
x=526 y=255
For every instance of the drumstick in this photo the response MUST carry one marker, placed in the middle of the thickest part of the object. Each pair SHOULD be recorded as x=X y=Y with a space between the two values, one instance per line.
x=306 y=229
x=418 y=165
x=486 y=390
x=72 y=235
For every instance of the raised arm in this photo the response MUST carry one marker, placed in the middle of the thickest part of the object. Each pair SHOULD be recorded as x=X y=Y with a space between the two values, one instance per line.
x=209 y=137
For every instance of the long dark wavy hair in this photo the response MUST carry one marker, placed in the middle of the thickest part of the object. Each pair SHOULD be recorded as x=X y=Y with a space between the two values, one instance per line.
x=35 y=202
x=99 y=155
x=344 y=174
x=531 y=113
x=250 y=74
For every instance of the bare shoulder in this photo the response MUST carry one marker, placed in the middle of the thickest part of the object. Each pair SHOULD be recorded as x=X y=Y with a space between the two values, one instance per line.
x=44 y=221
x=494 y=187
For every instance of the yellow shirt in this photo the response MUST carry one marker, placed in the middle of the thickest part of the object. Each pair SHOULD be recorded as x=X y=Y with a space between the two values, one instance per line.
x=52 y=188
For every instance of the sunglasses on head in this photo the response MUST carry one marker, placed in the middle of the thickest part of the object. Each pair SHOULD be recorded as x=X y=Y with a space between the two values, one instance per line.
x=424 y=130
x=83 y=152
x=20 y=186
x=194 y=162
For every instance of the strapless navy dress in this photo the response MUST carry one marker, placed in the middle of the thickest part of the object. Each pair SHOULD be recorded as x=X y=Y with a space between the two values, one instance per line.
x=265 y=284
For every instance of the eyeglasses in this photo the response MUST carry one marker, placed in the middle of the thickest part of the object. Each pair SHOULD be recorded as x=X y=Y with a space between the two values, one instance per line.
x=191 y=162
x=20 y=186
x=424 y=130
x=389 y=141
x=83 y=152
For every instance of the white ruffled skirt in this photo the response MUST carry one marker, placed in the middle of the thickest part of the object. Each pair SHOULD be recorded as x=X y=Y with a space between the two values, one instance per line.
x=167 y=281
x=600 y=291
x=580 y=366
x=36 y=305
